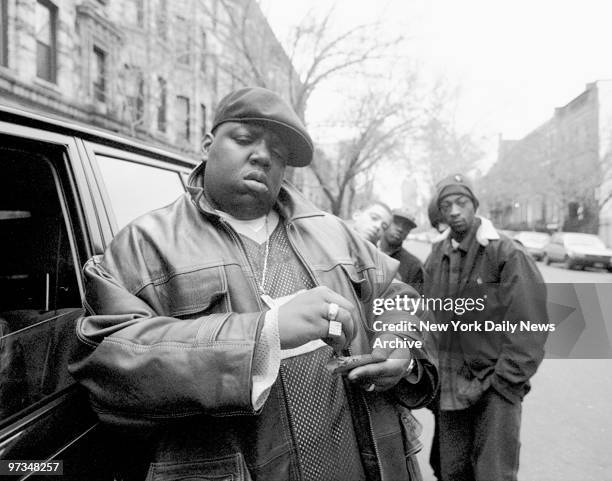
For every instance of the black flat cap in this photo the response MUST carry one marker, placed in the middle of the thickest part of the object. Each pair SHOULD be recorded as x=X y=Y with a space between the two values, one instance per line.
x=256 y=104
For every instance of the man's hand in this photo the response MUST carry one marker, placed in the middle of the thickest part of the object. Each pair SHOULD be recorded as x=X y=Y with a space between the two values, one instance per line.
x=382 y=376
x=304 y=319
x=369 y=232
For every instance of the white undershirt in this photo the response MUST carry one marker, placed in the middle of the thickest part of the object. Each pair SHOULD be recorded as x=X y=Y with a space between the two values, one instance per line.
x=254 y=229
x=267 y=355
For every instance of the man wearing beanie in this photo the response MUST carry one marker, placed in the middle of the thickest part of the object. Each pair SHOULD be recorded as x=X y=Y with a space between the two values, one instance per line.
x=214 y=324
x=484 y=371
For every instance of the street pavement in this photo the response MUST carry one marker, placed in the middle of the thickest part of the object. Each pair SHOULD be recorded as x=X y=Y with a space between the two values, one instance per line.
x=566 y=432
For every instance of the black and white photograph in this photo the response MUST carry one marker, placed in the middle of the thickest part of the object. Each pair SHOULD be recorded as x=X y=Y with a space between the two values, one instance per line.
x=319 y=240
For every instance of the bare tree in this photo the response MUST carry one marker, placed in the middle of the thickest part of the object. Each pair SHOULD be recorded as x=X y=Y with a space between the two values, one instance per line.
x=250 y=53
x=379 y=125
x=446 y=149
x=316 y=51
x=320 y=53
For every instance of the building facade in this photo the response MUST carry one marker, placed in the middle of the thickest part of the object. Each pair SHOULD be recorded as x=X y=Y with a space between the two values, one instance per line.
x=559 y=176
x=152 y=69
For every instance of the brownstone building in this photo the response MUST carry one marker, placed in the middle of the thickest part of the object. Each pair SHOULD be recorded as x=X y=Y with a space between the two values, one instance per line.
x=152 y=69
x=559 y=176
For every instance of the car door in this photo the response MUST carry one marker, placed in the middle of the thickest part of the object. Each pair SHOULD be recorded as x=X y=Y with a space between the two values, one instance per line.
x=556 y=249
x=44 y=414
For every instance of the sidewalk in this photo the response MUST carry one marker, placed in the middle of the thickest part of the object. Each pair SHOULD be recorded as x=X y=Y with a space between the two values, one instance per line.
x=566 y=431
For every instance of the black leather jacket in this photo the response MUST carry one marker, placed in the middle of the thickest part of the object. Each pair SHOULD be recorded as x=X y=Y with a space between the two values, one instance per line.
x=174 y=318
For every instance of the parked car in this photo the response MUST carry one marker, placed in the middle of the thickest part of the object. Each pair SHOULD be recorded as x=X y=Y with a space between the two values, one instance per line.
x=577 y=250
x=534 y=242
x=65 y=190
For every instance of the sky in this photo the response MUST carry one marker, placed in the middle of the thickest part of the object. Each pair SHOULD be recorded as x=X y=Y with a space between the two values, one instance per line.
x=512 y=61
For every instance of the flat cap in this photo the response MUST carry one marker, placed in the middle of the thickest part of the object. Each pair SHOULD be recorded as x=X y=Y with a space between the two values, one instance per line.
x=257 y=104
x=405 y=215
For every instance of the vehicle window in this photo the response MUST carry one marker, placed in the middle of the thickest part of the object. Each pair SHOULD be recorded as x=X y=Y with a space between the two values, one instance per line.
x=40 y=297
x=533 y=237
x=135 y=189
x=584 y=240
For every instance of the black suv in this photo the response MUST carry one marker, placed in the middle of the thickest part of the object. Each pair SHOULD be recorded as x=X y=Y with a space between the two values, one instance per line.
x=65 y=190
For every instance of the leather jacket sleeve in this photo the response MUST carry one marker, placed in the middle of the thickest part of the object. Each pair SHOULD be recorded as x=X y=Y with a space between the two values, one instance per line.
x=142 y=366
x=411 y=394
x=523 y=292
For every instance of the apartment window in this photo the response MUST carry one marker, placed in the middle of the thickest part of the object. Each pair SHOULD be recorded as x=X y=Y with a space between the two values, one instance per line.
x=183 y=42
x=162 y=19
x=215 y=13
x=99 y=74
x=182 y=117
x=3 y=32
x=161 y=106
x=140 y=13
x=203 y=120
x=203 y=52
x=135 y=92
x=46 y=48
x=140 y=98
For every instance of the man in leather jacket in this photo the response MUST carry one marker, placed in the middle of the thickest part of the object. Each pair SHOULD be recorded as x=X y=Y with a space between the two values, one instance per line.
x=486 y=357
x=211 y=324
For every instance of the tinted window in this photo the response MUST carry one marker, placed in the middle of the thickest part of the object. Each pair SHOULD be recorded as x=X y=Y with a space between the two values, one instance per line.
x=40 y=297
x=135 y=189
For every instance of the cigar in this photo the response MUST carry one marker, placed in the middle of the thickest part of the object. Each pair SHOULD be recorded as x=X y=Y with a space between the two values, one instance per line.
x=343 y=364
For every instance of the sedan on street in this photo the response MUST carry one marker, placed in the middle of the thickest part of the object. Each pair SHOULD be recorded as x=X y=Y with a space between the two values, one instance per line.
x=534 y=242
x=578 y=250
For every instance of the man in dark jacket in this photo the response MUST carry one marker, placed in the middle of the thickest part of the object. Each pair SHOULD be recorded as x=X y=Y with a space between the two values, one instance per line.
x=218 y=320
x=391 y=243
x=489 y=352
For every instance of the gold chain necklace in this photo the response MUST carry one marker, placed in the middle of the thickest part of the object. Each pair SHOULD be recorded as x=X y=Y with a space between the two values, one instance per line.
x=262 y=286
